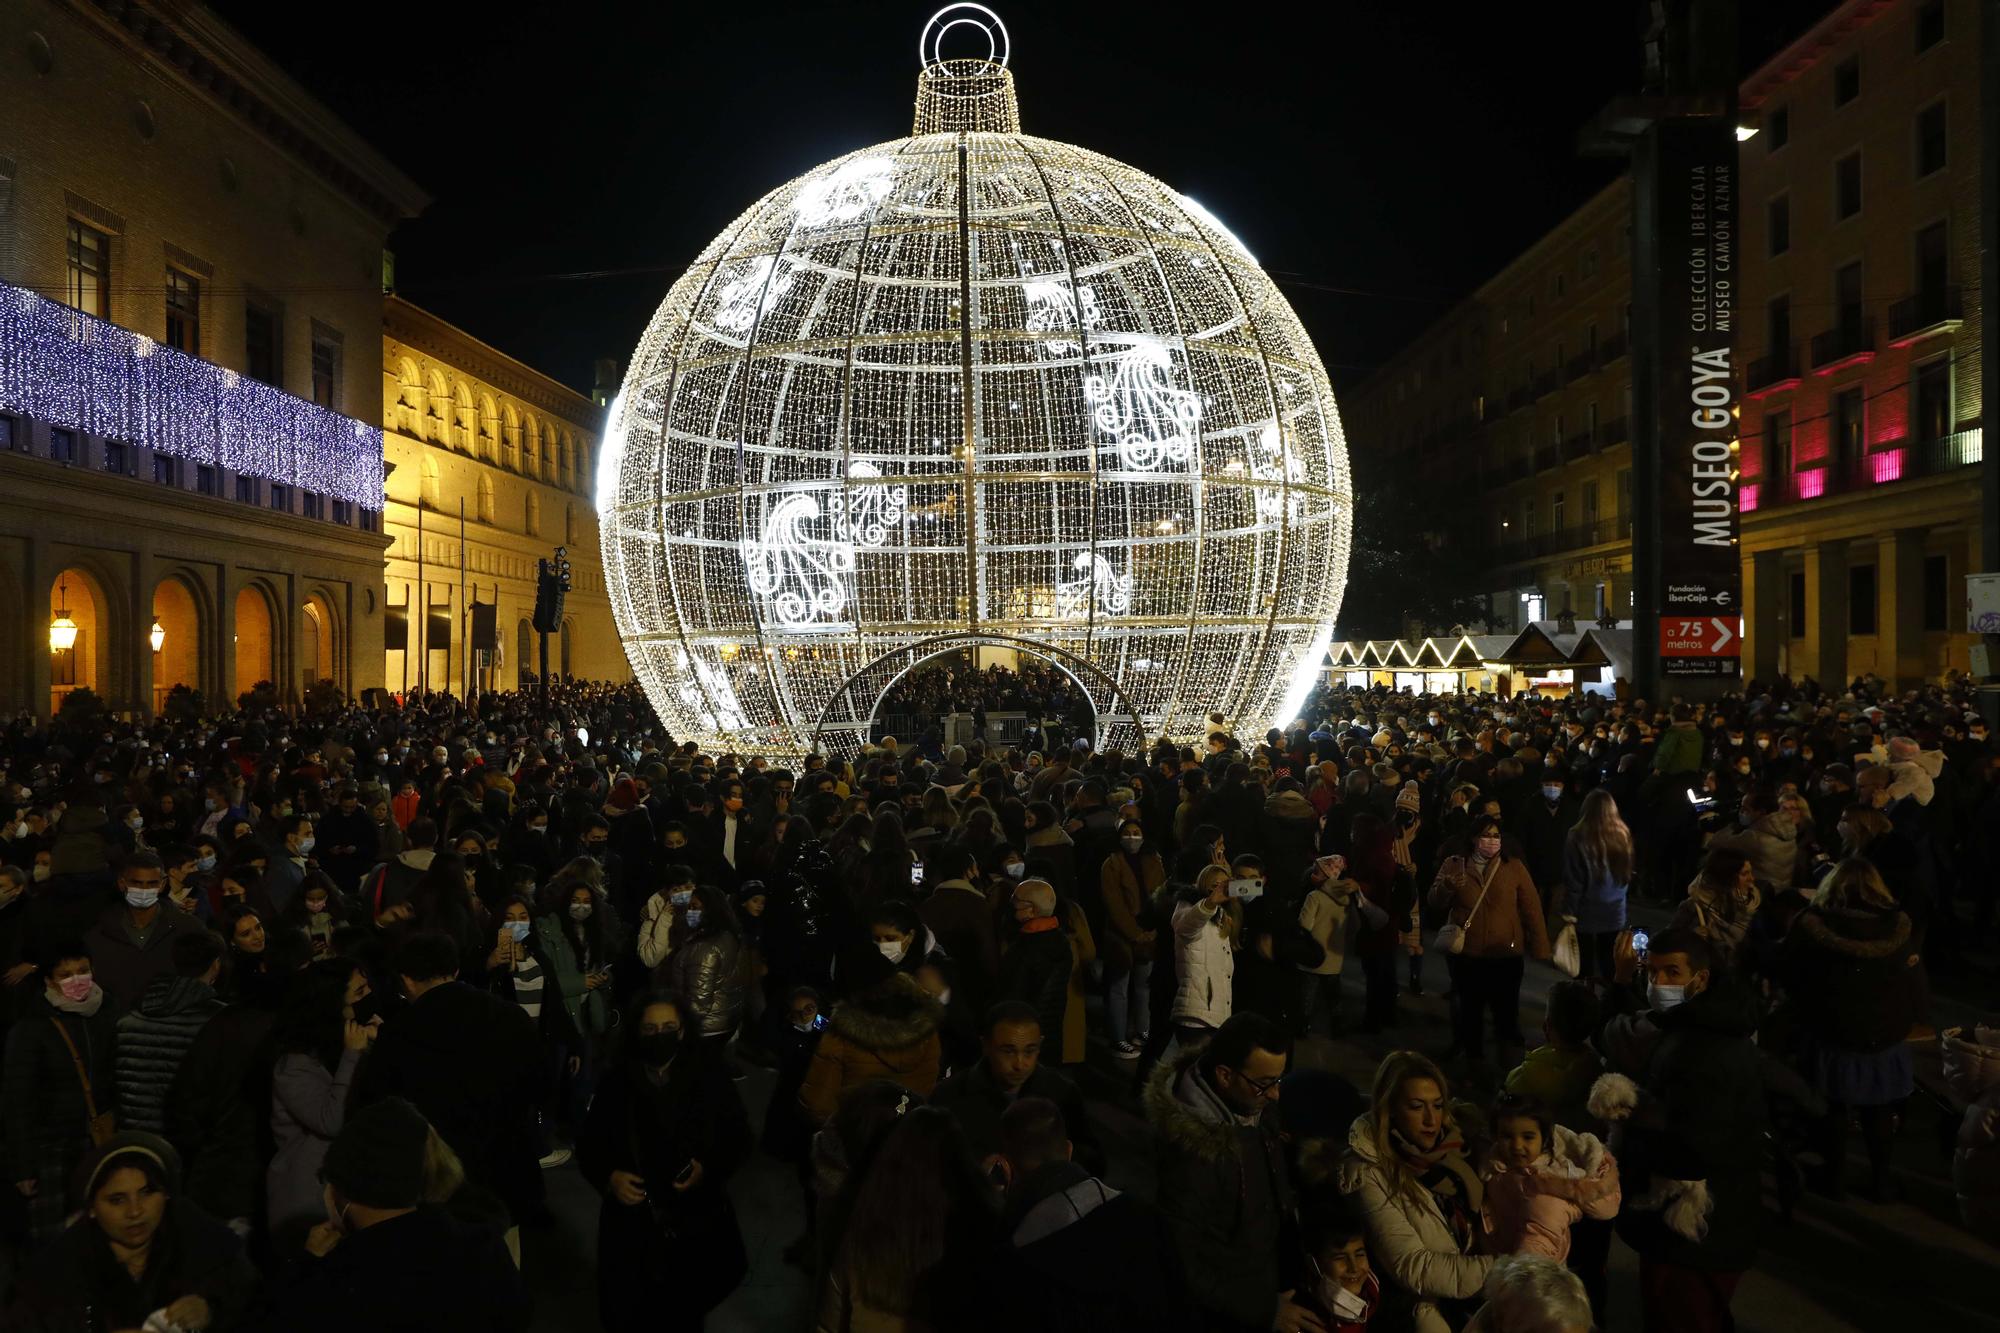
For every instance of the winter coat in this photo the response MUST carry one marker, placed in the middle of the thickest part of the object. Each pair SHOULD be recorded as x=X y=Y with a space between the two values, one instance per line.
x=1545 y=837
x=472 y=1063
x=1508 y=923
x=1205 y=965
x=1972 y=1072
x=219 y=1112
x=1077 y=1256
x=1856 y=983
x=308 y=1107
x=152 y=1041
x=1036 y=971
x=1680 y=749
x=126 y=969
x=1589 y=892
x=1290 y=828
x=41 y=1100
x=1324 y=914
x=1700 y=1119
x=1223 y=1188
x=76 y=1283
x=888 y=1032
x=1770 y=845
x=960 y=918
x=1083 y=954
x=422 y=1272
x=1717 y=918
x=977 y=1103
x=1409 y=1241
x=1128 y=884
x=680 y=1248
x=707 y=973
x=588 y=1011
x=1531 y=1211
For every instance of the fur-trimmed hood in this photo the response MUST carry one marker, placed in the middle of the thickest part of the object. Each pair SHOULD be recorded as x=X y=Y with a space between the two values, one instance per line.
x=893 y=1016
x=1855 y=934
x=1915 y=778
x=1187 y=1113
x=1580 y=1168
x=1289 y=805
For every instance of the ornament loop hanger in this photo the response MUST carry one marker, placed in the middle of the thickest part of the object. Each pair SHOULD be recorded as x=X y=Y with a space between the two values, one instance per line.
x=930 y=46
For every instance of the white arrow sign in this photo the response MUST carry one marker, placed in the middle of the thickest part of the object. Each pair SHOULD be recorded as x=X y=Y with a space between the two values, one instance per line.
x=1723 y=634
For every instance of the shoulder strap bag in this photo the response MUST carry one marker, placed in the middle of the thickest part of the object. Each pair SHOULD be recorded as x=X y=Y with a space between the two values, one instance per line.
x=102 y=1126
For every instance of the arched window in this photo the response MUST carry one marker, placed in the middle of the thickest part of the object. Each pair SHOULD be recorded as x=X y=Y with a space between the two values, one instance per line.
x=464 y=427
x=437 y=409
x=531 y=429
x=428 y=495
x=489 y=427
x=409 y=399
x=485 y=498
x=569 y=525
x=531 y=448
x=510 y=431
x=534 y=514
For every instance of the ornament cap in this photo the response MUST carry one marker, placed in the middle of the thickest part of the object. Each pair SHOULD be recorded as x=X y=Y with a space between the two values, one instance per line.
x=969 y=94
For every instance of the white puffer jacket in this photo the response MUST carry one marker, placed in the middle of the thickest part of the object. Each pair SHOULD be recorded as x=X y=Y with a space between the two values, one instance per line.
x=1408 y=1238
x=1206 y=965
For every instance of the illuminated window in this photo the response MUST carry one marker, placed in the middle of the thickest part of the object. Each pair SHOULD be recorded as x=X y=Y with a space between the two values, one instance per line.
x=263 y=350
x=183 y=312
x=325 y=367
x=89 y=270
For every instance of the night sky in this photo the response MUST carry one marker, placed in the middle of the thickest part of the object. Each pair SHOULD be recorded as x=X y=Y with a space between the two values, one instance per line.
x=1379 y=160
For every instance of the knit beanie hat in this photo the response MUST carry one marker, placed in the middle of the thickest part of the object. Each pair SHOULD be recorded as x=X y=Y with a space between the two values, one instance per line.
x=378 y=1158
x=1407 y=797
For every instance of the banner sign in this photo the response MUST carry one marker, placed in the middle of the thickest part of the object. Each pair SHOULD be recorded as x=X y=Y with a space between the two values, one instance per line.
x=1700 y=567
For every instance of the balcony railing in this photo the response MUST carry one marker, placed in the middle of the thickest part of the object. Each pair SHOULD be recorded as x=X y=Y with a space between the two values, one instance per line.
x=1520 y=398
x=1575 y=537
x=1546 y=457
x=1583 y=363
x=1576 y=446
x=1547 y=382
x=1769 y=373
x=80 y=373
x=1611 y=349
x=1514 y=469
x=1901 y=461
x=1937 y=311
x=1614 y=431
x=1842 y=345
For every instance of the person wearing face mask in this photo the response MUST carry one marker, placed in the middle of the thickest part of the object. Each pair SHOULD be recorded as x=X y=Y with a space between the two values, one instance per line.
x=382 y=1256
x=885 y=1027
x=292 y=856
x=1721 y=903
x=1766 y=836
x=48 y=1097
x=320 y=1043
x=1689 y=1118
x=1492 y=899
x=154 y=1039
x=664 y=1135
x=317 y=912
x=133 y=940
x=708 y=971
x=959 y=916
x=1127 y=882
x=1546 y=823
x=471 y=1062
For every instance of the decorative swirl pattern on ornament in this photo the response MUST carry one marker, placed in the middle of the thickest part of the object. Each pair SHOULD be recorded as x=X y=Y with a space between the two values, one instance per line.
x=1052 y=309
x=709 y=683
x=847 y=193
x=1152 y=421
x=1101 y=584
x=751 y=294
x=803 y=561
x=1278 y=464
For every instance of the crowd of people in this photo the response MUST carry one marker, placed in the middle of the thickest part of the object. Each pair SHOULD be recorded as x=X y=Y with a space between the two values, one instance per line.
x=919 y=701
x=301 y=1011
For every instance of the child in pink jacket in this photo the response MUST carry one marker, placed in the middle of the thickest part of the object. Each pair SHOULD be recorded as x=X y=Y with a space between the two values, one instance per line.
x=1540 y=1179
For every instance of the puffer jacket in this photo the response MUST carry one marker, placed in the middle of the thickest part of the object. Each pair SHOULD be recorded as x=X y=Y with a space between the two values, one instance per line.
x=706 y=972
x=152 y=1041
x=589 y=1011
x=1205 y=965
x=890 y=1031
x=1856 y=983
x=1972 y=1072
x=1589 y=891
x=1224 y=1192
x=1408 y=1238
x=1125 y=895
x=1770 y=845
x=1508 y=923
x=1531 y=1211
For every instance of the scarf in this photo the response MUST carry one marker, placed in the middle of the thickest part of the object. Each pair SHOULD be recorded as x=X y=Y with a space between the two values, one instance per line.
x=1450 y=1179
x=1039 y=924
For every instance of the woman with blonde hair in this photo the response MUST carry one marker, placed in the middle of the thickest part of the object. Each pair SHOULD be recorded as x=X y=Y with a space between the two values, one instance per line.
x=1854 y=978
x=1204 y=926
x=1597 y=873
x=1408 y=1173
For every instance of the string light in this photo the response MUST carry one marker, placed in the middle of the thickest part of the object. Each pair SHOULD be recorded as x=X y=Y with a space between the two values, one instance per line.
x=79 y=372
x=972 y=386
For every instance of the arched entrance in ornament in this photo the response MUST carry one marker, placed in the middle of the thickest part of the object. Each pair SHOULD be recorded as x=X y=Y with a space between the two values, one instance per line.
x=82 y=638
x=849 y=718
x=176 y=635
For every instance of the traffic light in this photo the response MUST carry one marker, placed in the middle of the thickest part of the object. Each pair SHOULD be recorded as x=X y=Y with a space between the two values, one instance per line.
x=552 y=579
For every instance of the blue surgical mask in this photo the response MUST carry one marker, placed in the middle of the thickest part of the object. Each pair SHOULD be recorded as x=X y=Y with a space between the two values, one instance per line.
x=1664 y=998
x=681 y=897
x=579 y=911
x=518 y=929
x=694 y=918
x=205 y=863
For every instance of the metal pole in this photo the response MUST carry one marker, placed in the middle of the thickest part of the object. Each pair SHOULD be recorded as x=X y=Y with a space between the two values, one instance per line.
x=1989 y=283
x=541 y=567
x=464 y=613
x=423 y=605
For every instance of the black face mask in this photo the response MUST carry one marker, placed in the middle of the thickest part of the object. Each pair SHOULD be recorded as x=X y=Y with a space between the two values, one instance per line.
x=657 y=1048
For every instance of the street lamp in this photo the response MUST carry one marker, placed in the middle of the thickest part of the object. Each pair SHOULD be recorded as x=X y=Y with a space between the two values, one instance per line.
x=62 y=630
x=158 y=636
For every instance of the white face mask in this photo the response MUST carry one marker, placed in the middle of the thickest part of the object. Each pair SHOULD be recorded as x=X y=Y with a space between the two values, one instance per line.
x=1664 y=998
x=1131 y=844
x=893 y=950
x=135 y=823
x=1341 y=1303
x=307 y=843
x=40 y=873
x=1016 y=869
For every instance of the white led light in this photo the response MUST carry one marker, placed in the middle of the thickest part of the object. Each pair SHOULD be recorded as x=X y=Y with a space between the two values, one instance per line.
x=1076 y=420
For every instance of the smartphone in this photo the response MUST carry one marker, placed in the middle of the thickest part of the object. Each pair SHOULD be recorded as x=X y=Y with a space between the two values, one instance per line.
x=916 y=874
x=686 y=1173
x=1640 y=939
x=1246 y=889
x=819 y=1022
x=1700 y=802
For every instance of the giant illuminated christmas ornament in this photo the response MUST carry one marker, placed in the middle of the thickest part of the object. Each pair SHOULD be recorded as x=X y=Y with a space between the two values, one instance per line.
x=967 y=388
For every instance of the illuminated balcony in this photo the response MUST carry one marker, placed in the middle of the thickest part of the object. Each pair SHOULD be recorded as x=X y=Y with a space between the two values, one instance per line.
x=75 y=372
